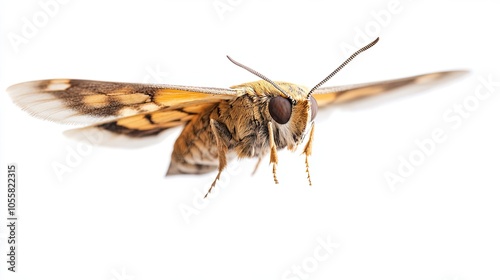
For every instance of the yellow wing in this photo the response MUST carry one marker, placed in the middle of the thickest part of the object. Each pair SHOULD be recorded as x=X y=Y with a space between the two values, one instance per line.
x=125 y=108
x=341 y=94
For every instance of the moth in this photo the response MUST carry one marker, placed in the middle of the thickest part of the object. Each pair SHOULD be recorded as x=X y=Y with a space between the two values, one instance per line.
x=250 y=120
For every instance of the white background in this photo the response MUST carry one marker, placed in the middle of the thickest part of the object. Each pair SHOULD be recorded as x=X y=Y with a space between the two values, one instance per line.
x=115 y=215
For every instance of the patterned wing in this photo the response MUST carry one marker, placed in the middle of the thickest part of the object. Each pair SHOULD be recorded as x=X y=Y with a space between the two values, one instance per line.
x=150 y=124
x=125 y=108
x=341 y=94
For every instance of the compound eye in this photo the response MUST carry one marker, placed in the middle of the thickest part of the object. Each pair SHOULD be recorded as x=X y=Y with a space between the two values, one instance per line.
x=280 y=109
x=314 y=107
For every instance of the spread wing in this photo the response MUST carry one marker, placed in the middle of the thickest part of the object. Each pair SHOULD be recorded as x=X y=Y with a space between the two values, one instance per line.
x=132 y=109
x=341 y=94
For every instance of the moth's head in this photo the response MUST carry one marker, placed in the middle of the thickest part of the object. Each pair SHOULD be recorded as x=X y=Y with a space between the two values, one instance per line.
x=286 y=102
x=288 y=106
x=293 y=114
x=296 y=103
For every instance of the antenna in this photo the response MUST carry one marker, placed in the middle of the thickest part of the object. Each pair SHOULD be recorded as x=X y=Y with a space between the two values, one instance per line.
x=342 y=66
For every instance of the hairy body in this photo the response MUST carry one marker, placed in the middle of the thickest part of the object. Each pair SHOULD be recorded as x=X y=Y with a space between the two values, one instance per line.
x=242 y=125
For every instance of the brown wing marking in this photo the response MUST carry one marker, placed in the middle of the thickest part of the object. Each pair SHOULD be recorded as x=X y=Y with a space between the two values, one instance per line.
x=150 y=124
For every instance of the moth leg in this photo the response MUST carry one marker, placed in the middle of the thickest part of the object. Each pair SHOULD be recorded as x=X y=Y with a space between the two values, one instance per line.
x=308 y=151
x=274 y=152
x=222 y=137
x=256 y=166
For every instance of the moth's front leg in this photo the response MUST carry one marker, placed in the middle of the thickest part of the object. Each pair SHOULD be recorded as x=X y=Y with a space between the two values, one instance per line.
x=274 y=151
x=222 y=137
x=257 y=165
x=308 y=151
